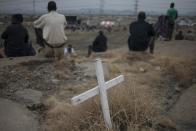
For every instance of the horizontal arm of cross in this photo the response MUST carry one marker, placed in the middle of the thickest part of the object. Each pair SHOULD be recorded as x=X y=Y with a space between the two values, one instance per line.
x=95 y=91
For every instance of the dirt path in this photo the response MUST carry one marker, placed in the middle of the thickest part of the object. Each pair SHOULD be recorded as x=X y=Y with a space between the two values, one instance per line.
x=184 y=111
x=15 y=117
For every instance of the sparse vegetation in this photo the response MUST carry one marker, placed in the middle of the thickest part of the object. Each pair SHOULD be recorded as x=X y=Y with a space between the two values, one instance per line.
x=182 y=70
x=131 y=108
x=135 y=104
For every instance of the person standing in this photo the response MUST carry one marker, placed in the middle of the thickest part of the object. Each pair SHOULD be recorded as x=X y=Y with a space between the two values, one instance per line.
x=172 y=14
x=53 y=27
x=141 y=34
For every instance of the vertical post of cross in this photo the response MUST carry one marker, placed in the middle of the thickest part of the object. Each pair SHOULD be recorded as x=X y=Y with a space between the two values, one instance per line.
x=103 y=93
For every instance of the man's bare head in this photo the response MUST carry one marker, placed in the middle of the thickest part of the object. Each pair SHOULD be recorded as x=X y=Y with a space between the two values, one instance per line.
x=52 y=6
x=141 y=15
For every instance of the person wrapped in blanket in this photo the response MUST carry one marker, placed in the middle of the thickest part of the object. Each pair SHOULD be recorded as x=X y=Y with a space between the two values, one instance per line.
x=162 y=27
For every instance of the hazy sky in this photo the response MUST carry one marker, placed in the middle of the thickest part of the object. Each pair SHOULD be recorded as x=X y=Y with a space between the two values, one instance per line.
x=159 y=6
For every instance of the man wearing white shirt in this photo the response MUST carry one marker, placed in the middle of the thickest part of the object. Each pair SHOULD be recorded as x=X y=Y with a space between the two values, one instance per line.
x=53 y=25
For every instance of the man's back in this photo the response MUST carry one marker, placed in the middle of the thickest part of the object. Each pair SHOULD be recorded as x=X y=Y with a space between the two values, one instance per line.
x=172 y=13
x=140 y=33
x=100 y=43
x=53 y=25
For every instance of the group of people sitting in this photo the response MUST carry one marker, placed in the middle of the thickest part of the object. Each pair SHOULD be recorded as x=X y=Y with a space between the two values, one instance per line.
x=50 y=33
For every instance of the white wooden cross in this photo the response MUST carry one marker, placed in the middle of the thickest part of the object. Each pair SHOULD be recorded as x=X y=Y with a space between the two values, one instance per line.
x=100 y=89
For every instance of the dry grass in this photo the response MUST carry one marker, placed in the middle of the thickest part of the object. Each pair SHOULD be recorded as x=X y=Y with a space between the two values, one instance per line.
x=131 y=108
x=182 y=70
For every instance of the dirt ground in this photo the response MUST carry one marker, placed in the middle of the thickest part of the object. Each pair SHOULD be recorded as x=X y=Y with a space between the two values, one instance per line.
x=164 y=76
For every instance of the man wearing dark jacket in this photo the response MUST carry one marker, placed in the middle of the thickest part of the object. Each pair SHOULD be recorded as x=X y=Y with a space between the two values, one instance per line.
x=141 y=33
x=16 y=38
x=99 y=44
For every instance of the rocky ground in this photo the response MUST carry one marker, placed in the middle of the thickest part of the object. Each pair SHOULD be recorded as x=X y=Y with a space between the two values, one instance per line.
x=27 y=83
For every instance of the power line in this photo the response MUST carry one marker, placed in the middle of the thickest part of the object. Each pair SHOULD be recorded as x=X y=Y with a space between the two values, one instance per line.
x=136 y=6
x=102 y=3
x=33 y=7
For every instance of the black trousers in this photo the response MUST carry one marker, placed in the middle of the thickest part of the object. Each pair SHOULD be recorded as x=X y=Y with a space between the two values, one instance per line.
x=171 y=30
x=39 y=37
x=150 y=45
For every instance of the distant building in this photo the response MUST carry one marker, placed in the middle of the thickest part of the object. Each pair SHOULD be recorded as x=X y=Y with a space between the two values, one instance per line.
x=73 y=20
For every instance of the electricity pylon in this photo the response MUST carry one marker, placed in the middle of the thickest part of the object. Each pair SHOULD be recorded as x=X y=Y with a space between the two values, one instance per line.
x=102 y=3
x=33 y=7
x=136 y=6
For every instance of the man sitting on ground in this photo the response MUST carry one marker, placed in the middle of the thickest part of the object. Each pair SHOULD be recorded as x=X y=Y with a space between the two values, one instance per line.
x=141 y=34
x=179 y=36
x=99 y=44
x=53 y=25
x=17 y=39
